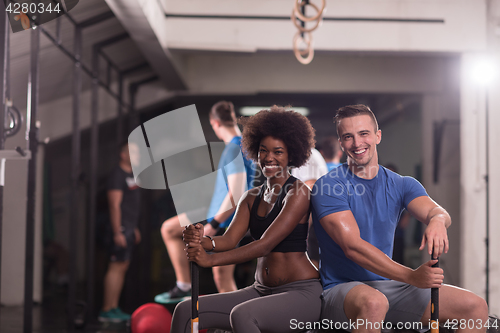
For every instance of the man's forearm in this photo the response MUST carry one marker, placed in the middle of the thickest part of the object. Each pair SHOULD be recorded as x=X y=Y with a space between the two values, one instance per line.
x=439 y=214
x=371 y=258
x=115 y=217
x=223 y=216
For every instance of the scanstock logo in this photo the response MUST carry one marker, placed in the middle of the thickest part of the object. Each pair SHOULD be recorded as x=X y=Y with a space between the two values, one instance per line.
x=170 y=152
x=25 y=14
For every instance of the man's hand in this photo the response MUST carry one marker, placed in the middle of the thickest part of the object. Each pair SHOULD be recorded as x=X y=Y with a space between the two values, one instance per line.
x=137 y=236
x=197 y=254
x=120 y=239
x=427 y=276
x=436 y=237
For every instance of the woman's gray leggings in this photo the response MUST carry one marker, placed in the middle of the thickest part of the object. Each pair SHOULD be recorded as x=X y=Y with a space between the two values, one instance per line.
x=254 y=309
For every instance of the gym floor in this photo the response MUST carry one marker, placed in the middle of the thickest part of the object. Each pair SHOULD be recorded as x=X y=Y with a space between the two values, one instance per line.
x=50 y=318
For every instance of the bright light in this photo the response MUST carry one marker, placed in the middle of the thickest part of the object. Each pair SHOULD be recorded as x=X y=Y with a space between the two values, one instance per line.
x=251 y=110
x=484 y=71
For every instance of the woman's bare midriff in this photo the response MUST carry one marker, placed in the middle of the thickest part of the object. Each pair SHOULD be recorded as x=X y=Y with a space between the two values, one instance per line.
x=279 y=268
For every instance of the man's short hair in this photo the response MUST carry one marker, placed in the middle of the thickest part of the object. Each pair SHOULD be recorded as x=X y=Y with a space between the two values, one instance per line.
x=353 y=111
x=223 y=111
x=329 y=147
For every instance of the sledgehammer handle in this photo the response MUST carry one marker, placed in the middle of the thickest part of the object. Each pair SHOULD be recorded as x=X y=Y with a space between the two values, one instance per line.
x=435 y=304
x=195 y=290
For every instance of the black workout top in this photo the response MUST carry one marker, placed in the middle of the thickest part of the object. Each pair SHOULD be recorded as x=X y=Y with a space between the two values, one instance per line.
x=296 y=240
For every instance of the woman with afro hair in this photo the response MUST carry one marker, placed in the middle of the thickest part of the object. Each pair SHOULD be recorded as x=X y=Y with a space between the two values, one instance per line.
x=287 y=288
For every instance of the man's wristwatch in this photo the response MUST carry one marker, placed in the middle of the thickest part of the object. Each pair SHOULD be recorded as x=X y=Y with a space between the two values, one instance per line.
x=215 y=224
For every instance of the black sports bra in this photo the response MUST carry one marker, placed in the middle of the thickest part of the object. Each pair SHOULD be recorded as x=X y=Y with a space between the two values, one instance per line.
x=296 y=240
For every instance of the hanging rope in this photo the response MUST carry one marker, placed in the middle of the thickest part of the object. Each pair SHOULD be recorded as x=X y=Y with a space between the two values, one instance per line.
x=303 y=37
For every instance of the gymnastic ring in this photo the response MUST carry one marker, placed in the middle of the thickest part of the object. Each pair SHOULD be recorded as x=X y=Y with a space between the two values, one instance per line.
x=301 y=3
x=304 y=52
x=17 y=120
x=301 y=28
x=298 y=53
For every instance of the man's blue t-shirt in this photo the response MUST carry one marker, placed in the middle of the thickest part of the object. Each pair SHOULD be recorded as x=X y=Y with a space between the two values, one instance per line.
x=332 y=165
x=376 y=205
x=230 y=166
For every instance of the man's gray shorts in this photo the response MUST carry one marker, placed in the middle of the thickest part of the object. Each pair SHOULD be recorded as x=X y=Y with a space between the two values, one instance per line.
x=407 y=303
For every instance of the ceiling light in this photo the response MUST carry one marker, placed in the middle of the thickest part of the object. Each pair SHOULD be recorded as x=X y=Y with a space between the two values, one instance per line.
x=484 y=71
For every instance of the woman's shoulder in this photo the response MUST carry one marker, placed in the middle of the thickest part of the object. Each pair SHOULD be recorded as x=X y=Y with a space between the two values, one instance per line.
x=300 y=189
x=298 y=184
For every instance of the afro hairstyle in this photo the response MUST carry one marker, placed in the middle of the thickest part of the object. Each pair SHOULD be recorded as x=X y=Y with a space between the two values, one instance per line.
x=291 y=127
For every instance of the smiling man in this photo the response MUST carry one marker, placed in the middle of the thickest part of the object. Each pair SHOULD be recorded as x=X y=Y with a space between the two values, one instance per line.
x=356 y=208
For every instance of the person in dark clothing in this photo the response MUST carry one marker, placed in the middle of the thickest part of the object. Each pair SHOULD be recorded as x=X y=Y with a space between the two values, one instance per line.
x=124 y=199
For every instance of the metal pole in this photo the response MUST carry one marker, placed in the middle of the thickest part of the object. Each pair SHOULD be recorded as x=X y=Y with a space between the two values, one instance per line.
x=119 y=130
x=94 y=140
x=30 y=215
x=487 y=179
x=75 y=170
x=4 y=62
x=108 y=74
x=58 y=30
x=132 y=90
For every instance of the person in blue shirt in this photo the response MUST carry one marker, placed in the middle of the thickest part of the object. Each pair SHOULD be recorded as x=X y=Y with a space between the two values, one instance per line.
x=356 y=208
x=330 y=149
x=221 y=209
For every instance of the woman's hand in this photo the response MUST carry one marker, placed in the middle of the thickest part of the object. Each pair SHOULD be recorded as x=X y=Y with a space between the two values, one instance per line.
x=197 y=254
x=193 y=233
